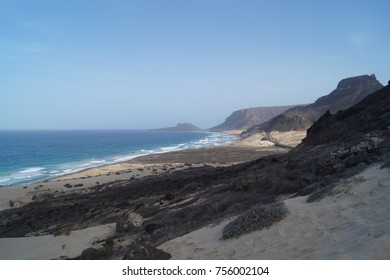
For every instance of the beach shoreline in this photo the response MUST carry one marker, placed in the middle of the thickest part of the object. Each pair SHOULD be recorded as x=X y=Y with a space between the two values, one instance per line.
x=93 y=180
x=241 y=150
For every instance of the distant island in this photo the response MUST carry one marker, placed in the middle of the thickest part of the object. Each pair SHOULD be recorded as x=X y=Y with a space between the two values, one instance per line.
x=180 y=127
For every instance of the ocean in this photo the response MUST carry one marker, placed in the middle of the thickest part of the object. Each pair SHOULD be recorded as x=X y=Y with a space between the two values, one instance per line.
x=31 y=156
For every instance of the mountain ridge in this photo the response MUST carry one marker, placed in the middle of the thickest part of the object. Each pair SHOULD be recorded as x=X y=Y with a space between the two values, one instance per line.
x=348 y=92
x=244 y=118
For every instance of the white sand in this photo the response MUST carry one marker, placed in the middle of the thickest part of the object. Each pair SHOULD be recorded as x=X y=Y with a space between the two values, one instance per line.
x=53 y=247
x=256 y=141
x=290 y=138
x=353 y=223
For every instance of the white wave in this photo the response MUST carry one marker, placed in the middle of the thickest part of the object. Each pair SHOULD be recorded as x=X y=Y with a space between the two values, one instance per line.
x=32 y=169
x=4 y=180
x=97 y=161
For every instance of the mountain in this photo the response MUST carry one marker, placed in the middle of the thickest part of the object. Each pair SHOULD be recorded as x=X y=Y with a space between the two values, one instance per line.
x=362 y=120
x=348 y=92
x=180 y=127
x=245 y=118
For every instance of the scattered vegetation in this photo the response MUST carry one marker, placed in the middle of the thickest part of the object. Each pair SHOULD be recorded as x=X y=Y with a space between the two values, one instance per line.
x=258 y=217
x=320 y=193
x=67 y=185
x=62 y=231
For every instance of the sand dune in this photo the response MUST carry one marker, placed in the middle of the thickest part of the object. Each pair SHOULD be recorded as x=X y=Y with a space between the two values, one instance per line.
x=352 y=223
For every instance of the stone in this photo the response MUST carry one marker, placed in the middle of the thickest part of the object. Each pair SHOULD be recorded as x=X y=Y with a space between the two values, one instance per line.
x=141 y=251
x=128 y=221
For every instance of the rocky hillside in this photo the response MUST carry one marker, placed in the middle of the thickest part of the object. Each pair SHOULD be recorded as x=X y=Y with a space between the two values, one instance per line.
x=245 y=118
x=348 y=92
x=180 y=127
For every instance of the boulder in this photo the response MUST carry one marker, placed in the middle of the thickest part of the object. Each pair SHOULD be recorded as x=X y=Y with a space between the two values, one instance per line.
x=153 y=228
x=141 y=251
x=128 y=221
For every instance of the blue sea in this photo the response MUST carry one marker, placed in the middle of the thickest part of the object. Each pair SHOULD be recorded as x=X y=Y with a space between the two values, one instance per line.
x=31 y=156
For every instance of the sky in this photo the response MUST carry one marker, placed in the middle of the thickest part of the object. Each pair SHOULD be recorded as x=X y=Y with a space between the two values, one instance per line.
x=138 y=64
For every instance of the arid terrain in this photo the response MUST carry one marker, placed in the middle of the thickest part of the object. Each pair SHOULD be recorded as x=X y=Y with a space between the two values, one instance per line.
x=324 y=199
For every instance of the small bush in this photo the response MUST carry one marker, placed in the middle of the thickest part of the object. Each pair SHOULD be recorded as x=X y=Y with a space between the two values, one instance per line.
x=67 y=185
x=258 y=217
x=11 y=203
x=62 y=231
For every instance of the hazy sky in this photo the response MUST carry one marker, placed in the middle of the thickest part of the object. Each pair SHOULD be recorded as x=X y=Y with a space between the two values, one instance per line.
x=153 y=63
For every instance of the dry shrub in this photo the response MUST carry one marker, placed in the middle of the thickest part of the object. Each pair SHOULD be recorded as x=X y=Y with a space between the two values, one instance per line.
x=258 y=217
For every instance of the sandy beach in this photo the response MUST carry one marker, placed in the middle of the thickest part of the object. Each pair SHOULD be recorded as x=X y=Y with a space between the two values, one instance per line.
x=86 y=181
x=153 y=164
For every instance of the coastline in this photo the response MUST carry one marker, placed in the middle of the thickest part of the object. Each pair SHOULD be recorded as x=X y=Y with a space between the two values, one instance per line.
x=84 y=181
x=96 y=179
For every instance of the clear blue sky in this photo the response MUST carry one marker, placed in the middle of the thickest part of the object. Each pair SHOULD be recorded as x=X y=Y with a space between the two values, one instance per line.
x=153 y=63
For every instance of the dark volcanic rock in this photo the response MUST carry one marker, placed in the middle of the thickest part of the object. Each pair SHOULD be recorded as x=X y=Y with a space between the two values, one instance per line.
x=348 y=92
x=95 y=254
x=153 y=227
x=371 y=114
x=141 y=251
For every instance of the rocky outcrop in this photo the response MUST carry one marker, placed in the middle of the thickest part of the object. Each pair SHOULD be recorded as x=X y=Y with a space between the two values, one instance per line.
x=371 y=114
x=245 y=118
x=141 y=251
x=128 y=221
x=348 y=92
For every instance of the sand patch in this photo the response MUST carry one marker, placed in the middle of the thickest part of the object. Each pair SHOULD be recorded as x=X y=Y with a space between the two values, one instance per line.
x=53 y=247
x=353 y=223
x=289 y=138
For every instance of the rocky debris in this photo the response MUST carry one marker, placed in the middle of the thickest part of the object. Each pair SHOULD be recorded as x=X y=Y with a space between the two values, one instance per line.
x=96 y=254
x=153 y=228
x=128 y=221
x=142 y=251
x=169 y=196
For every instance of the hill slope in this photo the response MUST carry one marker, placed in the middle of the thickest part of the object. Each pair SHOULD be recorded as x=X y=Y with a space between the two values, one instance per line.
x=245 y=118
x=348 y=92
